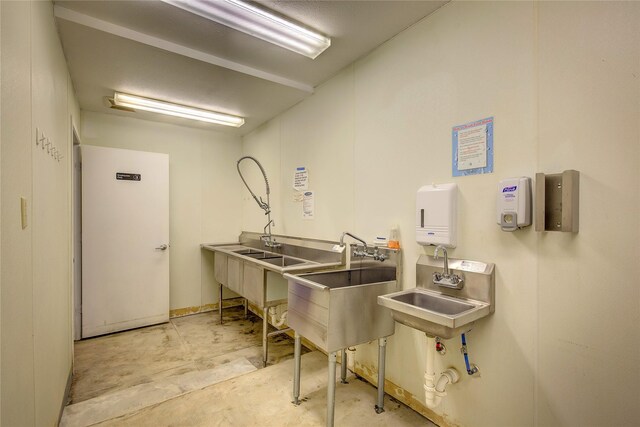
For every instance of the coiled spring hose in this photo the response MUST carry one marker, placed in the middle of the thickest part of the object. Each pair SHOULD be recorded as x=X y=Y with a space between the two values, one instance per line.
x=263 y=205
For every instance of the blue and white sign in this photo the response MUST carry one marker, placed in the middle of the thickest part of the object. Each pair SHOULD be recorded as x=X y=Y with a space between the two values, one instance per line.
x=472 y=148
x=301 y=179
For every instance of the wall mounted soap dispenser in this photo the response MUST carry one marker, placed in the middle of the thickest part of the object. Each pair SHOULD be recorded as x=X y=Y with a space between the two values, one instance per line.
x=513 y=204
x=437 y=215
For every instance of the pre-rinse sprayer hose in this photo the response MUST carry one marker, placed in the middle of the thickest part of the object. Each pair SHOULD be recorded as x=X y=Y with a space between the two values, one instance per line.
x=259 y=201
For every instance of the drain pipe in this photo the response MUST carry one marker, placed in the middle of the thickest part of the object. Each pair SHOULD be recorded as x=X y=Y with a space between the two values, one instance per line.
x=435 y=390
x=274 y=321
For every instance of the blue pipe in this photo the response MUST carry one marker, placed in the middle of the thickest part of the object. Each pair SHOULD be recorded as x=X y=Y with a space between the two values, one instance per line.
x=470 y=370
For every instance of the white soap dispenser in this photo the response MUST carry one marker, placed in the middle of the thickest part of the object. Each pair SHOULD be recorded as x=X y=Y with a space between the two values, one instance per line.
x=513 y=204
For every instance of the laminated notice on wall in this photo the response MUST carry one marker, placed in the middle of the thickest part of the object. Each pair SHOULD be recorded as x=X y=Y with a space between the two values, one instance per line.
x=472 y=148
x=301 y=179
x=308 y=207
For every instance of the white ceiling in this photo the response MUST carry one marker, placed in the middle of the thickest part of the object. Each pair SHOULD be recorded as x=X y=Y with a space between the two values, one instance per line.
x=153 y=49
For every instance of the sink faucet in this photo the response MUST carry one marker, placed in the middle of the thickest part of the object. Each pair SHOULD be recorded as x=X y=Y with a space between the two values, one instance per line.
x=267 y=238
x=346 y=233
x=365 y=251
x=446 y=258
x=445 y=278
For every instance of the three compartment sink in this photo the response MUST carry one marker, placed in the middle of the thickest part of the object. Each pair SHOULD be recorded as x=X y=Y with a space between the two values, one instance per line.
x=254 y=272
x=440 y=311
x=270 y=257
x=247 y=252
x=262 y=255
x=284 y=261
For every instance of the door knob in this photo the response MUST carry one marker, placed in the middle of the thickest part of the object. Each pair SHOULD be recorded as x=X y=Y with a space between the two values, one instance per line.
x=162 y=247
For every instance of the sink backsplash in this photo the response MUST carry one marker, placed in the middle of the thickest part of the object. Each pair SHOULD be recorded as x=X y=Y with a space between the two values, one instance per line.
x=311 y=249
x=479 y=278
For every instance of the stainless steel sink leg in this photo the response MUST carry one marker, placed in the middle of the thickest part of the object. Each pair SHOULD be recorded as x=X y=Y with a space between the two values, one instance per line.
x=331 y=389
x=246 y=307
x=265 y=327
x=297 y=347
x=382 y=347
x=343 y=367
x=220 y=303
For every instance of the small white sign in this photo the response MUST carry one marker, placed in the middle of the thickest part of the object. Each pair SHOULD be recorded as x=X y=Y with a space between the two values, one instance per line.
x=301 y=179
x=472 y=266
x=308 y=207
x=472 y=147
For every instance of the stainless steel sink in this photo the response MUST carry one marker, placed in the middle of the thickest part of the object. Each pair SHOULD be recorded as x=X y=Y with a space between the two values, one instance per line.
x=440 y=311
x=435 y=314
x=247 y=252
x=248 y=269
x=433 y=303
x=262 y=255
x=353 y=277
x=284 y=261
x=338 y=309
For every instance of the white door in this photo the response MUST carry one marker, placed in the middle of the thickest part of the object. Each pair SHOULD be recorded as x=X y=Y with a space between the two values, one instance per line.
x=125 y=239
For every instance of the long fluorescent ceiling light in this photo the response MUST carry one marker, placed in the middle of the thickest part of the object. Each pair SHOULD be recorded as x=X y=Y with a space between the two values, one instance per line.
x=258 y=22
x=162 y=107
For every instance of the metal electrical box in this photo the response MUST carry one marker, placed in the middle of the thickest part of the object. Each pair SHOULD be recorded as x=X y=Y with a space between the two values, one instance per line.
x=557 y=201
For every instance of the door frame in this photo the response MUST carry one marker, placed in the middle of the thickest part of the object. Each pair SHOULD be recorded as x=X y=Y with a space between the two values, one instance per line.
x=76 y=233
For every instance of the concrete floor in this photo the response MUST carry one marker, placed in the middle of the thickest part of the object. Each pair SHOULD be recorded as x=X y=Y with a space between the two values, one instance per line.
x=193 y=371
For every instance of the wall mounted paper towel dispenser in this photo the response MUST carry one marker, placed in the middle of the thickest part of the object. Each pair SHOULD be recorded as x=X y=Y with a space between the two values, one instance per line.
x=437 y=215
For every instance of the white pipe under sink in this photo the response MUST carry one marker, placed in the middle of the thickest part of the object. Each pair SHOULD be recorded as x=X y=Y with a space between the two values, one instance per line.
x=434 y=390
x=274 y=317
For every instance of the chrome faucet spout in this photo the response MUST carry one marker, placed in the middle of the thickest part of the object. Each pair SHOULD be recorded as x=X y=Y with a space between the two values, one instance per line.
x=268 y=238
x=346 y=233
x=446 y=257
x=445 y=278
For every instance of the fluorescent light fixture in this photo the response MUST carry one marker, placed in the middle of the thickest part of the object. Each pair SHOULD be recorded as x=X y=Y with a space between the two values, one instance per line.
x=162 y=107
x=258 y=22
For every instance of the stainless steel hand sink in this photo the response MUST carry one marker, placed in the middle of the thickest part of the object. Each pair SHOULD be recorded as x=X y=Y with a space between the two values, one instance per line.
x=434 y=303
x=440 y=311
x=435 y=314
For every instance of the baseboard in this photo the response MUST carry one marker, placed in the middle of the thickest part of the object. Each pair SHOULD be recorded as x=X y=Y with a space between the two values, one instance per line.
x=370 y=374
x=67 y=391
x=187 y=311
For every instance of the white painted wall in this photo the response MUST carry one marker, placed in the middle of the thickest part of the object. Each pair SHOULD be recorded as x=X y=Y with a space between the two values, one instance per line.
x=1 y=72
x=36 y=292
x=562 y=81
x=588 y=294
x=204 y=193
